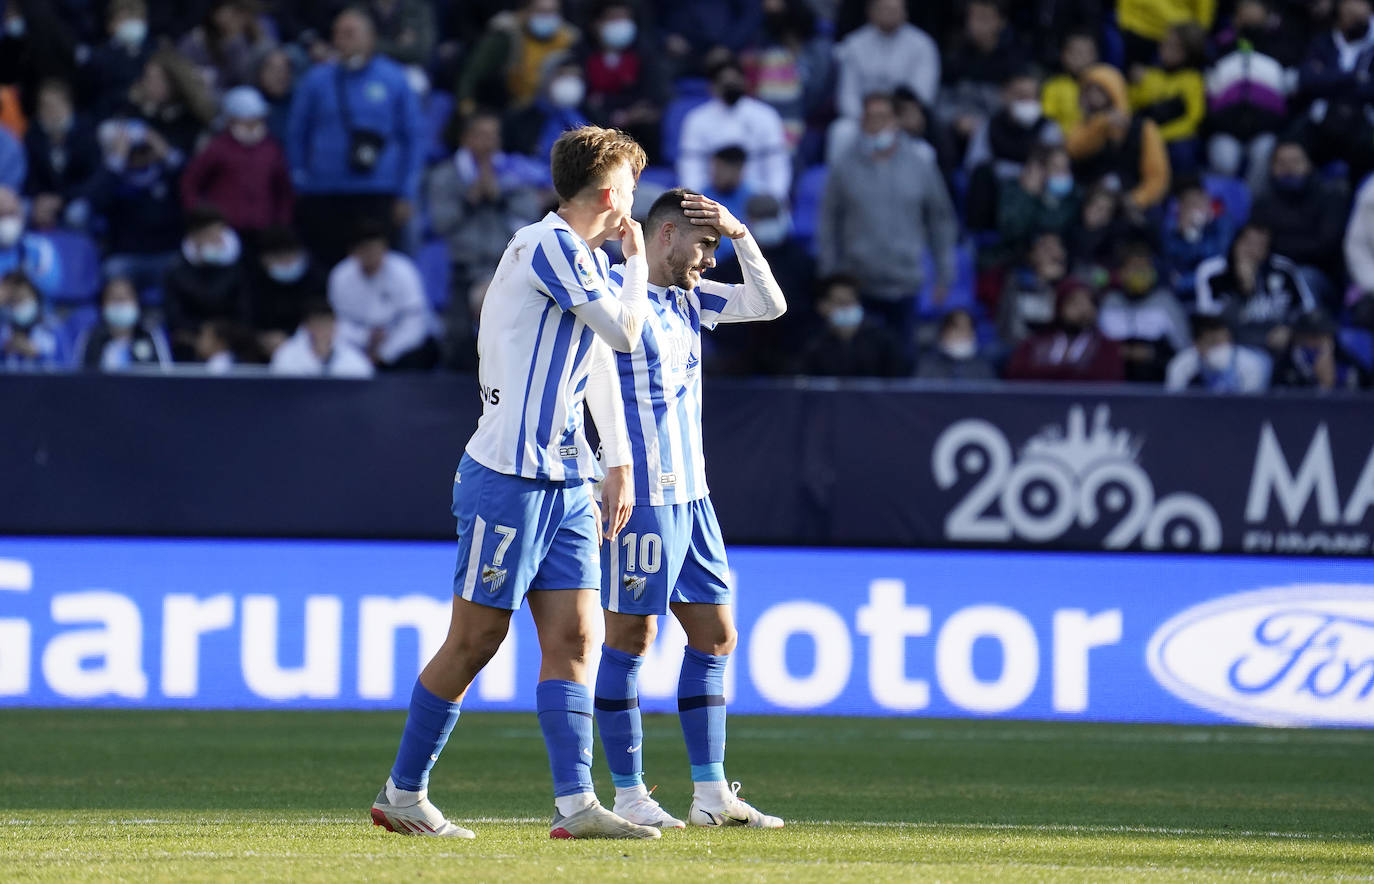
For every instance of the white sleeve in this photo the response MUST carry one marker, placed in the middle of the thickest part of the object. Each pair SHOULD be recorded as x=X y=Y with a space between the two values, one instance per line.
x=410 y=326
x=618 y=321
x=1181 y=370
x=604 y=401
x=759 y=298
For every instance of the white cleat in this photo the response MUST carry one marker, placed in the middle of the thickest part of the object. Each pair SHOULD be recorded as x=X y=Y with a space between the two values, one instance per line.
x=641 y=809
x=598 y=822
x=420 y=818
x=733 y=812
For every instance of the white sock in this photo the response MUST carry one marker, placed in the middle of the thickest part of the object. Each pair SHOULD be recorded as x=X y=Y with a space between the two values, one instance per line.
x=571 y=804
x=712 y=793
x=630 y=793
x=401 y=797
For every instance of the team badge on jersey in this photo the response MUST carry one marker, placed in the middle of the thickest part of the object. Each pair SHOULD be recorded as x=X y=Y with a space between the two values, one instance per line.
x=635 y=585
x=493 y=577
x=585 y=274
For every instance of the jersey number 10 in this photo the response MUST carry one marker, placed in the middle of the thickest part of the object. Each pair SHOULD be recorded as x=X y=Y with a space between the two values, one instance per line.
x=650 y=548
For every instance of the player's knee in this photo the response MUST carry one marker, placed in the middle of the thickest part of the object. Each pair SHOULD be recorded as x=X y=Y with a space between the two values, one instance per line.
x=573 y=641
x=477 y=645
x=726 y=640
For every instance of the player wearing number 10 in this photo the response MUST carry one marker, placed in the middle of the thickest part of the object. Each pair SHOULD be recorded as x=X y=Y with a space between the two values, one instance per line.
x=671 y=554
x=527 y=523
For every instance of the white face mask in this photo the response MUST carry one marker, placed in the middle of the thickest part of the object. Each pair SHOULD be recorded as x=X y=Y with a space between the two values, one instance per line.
x=25 y=313
x=1025 y=112
x=881 y=141
x=959 y=348
x=289 y=272
x=847 y=317
x=11 y=228
x=248 y=134
x=355 y=62
x=121 y=316
x=16 y=27
x=215 y=254
x=769 y=232
x=545 y=25
x=619 y=34
x=567 y=91
x=131 y=32
x=1219 y=358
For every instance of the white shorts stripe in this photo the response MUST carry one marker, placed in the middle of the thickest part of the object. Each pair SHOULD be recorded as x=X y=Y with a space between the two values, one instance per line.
x=479 y=533
x=615 y=574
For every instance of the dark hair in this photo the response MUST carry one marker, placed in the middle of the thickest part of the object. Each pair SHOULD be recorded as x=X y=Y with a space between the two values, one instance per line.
x=835 y=280
x=1135 y=247
x=20 y=278
x=723 y=61
x=278 y=239
x=316 y=307
x=948 y=319
x=1202 y=323
x=1187 y=184
x=1021 y=72
x=601 y=7
x=57 y=84
x=110 y=281
x=203 y=216
x=1041 y=153
x=369 y=230
x=732 y=154
x=1194 y=40
x=668 y=207
x=586 y=156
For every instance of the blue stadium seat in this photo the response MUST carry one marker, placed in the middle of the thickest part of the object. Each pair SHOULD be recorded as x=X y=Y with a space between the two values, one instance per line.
x=435 y=271
x=438 y=108
x=79 y=281
x=806 y=205
x=962 y=292
x=687 y=97
x=1359 y=343
x=76 y=323
x=1233 y=195
x=660 y=176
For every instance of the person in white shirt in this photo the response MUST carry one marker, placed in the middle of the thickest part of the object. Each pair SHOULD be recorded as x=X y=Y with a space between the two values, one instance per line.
x=380 y=304
x=733 y=117
x=317 y=349
x=1217 y=364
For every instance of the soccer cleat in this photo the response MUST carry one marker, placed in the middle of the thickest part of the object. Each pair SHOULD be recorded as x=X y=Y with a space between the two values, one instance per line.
x=643 y=810
x=420 y=818
x=597 y=822
x=734 y=812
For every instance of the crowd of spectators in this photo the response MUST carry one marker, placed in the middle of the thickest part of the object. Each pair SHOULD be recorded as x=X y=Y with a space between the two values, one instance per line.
x=1155 y=192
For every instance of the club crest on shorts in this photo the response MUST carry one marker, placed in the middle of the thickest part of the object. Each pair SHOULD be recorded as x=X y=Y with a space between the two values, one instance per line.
x=493 y=577
x=585 y=275
x=635 y=585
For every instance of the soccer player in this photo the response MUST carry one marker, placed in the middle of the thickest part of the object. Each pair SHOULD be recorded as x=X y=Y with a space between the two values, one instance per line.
x=671 y=554
x=528 y=526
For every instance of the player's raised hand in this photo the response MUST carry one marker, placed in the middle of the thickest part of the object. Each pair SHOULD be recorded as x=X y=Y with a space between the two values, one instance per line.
x=631 y=238
x=617 y=500
x=704 y=210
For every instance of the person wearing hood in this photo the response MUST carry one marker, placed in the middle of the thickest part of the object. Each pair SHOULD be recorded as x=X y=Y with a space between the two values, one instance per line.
x=28 y=340
x=506 y=67
x=1072 y=349
x=242 y=170
x=1215 y=363
x=1143 y=316
x=1109 y=144
x=123 y=338
x=204 y=282
x=31 y=253
x=732 y=116
x=1305 y=214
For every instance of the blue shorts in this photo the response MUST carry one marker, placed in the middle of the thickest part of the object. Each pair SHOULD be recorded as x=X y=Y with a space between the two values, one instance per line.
x=519 y=535
x=671 y=553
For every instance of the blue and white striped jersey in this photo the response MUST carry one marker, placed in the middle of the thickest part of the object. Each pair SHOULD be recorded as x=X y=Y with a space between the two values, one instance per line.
x=660 y=381
x=534 y=355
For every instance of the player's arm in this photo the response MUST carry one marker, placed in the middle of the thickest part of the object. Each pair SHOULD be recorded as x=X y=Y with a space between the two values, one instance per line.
x=759 y=297
x=564 y=270
x=603 y=399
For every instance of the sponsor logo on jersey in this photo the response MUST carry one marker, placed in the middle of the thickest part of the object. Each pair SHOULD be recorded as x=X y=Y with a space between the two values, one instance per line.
x=668 y=479
x=567 y=451
x=583 y=265
x=493 y=577
x=635 y=585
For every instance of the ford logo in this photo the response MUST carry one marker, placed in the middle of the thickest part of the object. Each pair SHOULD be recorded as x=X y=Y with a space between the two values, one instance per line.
x=1297 y=655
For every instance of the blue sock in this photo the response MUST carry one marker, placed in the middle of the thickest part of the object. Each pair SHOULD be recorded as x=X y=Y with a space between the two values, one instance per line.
x=617 y=715
x=428 y=724
x=565 y=717
x=701 y=708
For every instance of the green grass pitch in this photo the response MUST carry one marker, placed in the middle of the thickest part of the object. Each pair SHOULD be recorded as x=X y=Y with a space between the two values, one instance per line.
x=187 y=796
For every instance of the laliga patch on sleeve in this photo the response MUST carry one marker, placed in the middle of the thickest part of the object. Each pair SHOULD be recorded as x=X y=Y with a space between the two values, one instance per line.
x=585 y=274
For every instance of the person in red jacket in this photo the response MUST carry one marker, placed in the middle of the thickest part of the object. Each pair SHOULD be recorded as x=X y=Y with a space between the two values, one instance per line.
x=242 y=171
x=1073 y=350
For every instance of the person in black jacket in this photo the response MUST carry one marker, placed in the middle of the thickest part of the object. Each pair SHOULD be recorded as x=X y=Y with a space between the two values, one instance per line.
x=123 y=339
x=205 y=281
x=63 y=159
x=1316 y=361
x=284 y=280
x=1305 y=215
x=850 y=345
x=1335 y=81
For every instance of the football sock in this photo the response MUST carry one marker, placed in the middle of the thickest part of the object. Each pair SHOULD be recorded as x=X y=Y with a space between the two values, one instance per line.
x=565 y=717
x=701 y=708
x=428 y=725
x=617 y=716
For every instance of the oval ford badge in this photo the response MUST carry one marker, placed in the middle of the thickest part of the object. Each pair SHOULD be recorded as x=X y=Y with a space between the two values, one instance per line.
x=1296 y=655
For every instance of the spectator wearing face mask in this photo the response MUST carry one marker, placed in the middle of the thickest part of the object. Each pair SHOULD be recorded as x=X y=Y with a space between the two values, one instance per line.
x=114 y=65
x=1028 y=298
x=1042 y=198
x=317 y=349
x=204 y=282
x=1173 y=94
x=242 y=171
x=284 y=280
x=849 y=345
x=28 y=341
x=1143 y=316
x=1334 y=79
x=30 y=253
x=1072 y=349
x=122 y=340
x=381 y=306
x=1316 y=361
x=734 y=117
x=1306 y=215
x=1001 y=147
x=506 y=67
x=1215 y=363
x=627 y=87
x=560 y=107
x=1195 y=232
x=136 y=193
x=1110 y=145
x=955 y=355
x=63 y=158
x=982 y=59
x=884 y=209
x=1258 y=293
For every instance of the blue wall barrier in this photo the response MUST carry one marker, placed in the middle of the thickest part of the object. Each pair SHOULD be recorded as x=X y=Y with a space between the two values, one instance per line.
x=347 y=624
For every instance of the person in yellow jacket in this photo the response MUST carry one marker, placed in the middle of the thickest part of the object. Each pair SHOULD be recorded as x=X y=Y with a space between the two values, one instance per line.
x=1059 y=95
x=1144 y=23
x=1110 y=144
x=1174 y=94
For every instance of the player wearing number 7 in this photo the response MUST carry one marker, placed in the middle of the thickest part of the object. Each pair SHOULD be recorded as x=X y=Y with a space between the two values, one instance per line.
x=527 y=523
x=671 y=555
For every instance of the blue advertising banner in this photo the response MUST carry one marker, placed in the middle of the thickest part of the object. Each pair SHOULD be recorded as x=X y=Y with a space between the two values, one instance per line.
x=347 y=624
